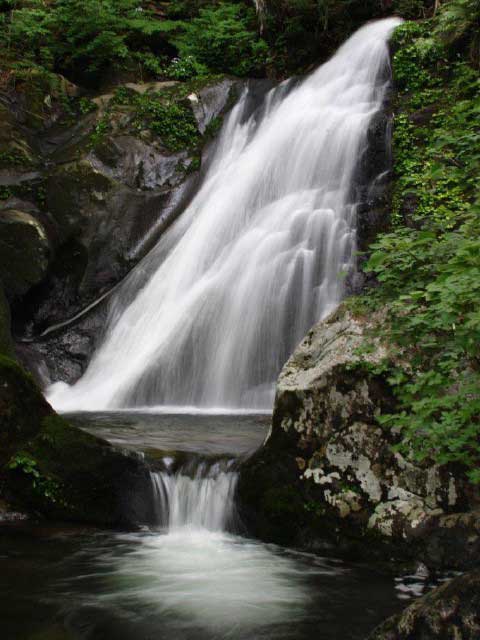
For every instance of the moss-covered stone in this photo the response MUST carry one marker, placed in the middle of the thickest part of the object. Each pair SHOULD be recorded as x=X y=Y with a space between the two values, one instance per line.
x=24 y=251
x=51 y=468
x=42 y=96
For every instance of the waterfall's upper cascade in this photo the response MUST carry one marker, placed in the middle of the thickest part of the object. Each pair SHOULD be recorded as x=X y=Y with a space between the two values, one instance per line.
x=212 y=313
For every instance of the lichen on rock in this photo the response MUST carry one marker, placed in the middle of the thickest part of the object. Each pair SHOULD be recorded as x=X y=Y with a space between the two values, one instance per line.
x=328 y=449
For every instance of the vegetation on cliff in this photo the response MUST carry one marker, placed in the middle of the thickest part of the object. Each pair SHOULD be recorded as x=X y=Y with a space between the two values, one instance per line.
x=428 y=264
x=178 y=40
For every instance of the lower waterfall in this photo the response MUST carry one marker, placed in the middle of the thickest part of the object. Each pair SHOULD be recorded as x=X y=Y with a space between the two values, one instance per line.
x=210 y=316
x=197 y=496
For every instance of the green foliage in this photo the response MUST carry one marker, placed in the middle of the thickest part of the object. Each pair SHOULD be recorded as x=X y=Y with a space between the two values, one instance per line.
x=42 y=485
x=457 y=20
x=185 y=68
x=173 y=122
x=302 y=33
x=100 y=131
x=411 y=9
x=428 y=265
x=224 y=38
x=81 y=37
x=167 y=114
x=13 y=157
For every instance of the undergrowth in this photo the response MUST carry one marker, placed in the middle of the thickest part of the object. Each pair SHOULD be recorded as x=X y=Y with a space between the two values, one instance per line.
x=428 y=264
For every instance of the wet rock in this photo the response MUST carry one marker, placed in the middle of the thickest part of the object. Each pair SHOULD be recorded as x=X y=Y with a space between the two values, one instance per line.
x=211 y=101
x=329 y=466
x=63 y=354
x=50 y=468
x=451 y=611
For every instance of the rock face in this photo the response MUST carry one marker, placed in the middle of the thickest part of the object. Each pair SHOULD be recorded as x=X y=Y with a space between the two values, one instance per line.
x=327 y=474
x=450 y=612
x=50 y=468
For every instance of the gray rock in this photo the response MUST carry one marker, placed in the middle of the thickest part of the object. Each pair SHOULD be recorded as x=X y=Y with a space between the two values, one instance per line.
x=327 y=455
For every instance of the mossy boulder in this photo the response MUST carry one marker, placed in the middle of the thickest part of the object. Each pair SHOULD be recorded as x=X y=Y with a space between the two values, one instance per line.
x=53 y=469
x=329 y=477
x=24 y=251
x=450 y=611
x=39 y=97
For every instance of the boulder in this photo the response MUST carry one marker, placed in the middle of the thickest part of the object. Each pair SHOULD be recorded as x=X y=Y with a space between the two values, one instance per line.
x=328 y=476
x=52 y=469
x=24 y=251
x=451 y=611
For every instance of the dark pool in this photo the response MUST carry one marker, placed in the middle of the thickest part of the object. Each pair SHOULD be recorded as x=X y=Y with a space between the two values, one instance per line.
x=186 y=583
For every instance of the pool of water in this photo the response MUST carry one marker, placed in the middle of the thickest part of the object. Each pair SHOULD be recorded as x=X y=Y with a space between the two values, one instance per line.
x=185 y=581
x=234 y=435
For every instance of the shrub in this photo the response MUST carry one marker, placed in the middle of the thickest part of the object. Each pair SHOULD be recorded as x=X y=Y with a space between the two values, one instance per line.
x=428 y=265
x=224 y=38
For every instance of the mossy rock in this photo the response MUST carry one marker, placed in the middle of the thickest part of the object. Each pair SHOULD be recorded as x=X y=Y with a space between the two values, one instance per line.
x=42 y=96
x=51 y=468
x=24 y=252
x=70 y=190
x=6 y=345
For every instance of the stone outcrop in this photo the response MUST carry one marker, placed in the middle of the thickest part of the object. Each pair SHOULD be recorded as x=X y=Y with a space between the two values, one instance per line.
x=451 y=611
x=328 y=475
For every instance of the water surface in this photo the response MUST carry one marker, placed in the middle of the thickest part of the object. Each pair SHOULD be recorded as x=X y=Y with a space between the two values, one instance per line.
x=189 y=578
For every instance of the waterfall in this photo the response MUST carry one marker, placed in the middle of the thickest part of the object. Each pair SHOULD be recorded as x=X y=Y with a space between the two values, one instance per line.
x=196 y=496
x=261 y=9
x=209 y=317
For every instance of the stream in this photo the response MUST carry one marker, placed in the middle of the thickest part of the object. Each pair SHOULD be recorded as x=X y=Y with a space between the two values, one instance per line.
x=192 y=577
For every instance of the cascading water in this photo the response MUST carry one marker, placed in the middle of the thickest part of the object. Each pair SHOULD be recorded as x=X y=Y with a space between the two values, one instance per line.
x=213 y=312
x=199 y=497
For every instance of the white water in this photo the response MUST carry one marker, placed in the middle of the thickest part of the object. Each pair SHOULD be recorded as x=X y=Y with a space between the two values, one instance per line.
x=213 y=312
x=200 y=574
x=200 y=498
